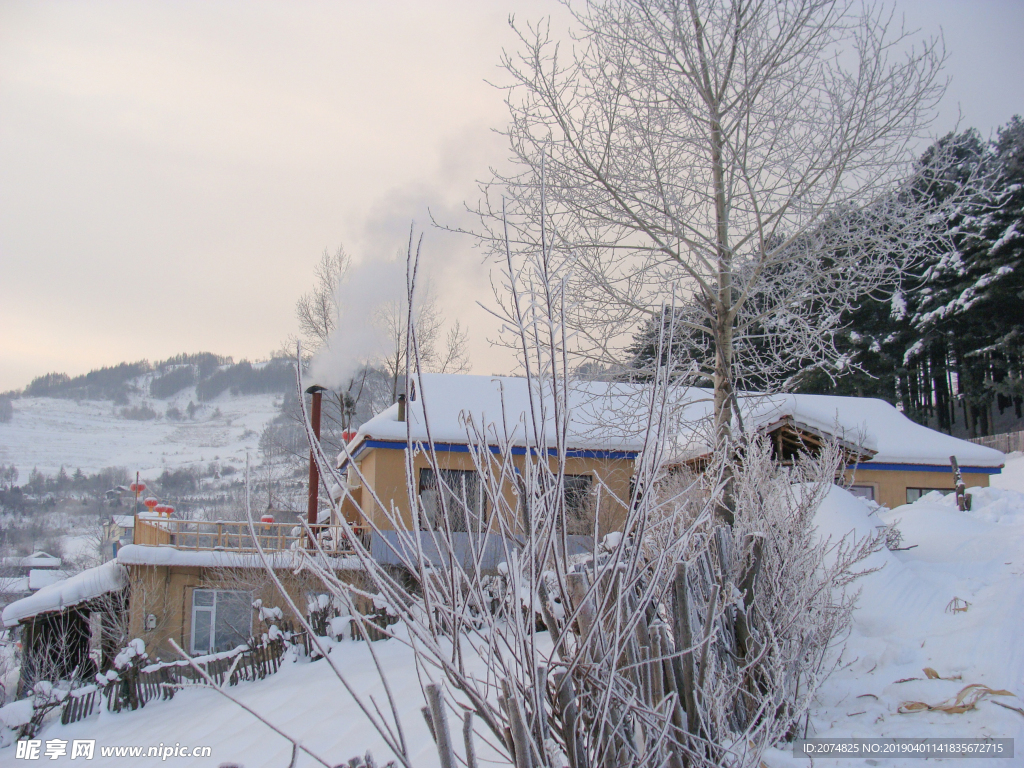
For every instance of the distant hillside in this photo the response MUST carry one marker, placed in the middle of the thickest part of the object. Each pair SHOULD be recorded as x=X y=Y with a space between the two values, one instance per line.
x=210 y=375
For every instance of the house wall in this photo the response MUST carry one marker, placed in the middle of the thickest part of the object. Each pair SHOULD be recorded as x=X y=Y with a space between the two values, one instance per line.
x=166 y=592
x=891 y=485
x=384 y=470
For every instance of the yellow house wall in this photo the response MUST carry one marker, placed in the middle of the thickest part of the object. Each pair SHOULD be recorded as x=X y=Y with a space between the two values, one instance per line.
x=166 y=592
x=385 y=470
x=891 y=485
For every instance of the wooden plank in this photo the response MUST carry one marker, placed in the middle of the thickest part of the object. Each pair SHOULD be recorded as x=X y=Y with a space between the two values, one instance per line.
x=684 y=643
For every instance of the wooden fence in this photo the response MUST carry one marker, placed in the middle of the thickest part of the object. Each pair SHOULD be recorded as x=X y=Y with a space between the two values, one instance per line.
x=1007 y=442
x=134 y=687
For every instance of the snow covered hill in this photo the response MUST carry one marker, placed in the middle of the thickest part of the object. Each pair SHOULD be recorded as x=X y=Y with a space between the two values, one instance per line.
x=50 y=432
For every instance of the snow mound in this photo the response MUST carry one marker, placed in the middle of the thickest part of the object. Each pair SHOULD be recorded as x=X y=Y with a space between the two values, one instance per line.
x=905 y=621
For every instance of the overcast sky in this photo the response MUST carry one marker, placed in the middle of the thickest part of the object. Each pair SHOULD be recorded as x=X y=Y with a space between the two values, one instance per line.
x=170 y=172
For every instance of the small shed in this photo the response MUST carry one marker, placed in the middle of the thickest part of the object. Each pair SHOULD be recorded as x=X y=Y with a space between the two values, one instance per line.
x=69 y=628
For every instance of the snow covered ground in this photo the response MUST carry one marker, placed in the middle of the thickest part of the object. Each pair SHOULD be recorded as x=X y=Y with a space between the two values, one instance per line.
x=303 y=699
x=1012 y=476
x=48 y=433
x=903 y=624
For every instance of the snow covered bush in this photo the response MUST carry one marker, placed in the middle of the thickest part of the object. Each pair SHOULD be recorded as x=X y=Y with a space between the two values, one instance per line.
x=803 y=595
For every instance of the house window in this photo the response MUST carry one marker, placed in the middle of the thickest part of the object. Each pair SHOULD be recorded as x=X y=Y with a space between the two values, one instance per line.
x=578 y=511
x=462 y=494
x=221 y=620
x=863 y=491
x=913 y=494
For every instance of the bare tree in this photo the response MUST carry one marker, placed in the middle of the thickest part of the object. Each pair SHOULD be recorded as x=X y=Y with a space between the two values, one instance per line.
x=317 y=311
x=439 y=352
x=743 y=160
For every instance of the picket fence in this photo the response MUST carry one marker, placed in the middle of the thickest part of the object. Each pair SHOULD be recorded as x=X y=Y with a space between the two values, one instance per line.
x=134 y=687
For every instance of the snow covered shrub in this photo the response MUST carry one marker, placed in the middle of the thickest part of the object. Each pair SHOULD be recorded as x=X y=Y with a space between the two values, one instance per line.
x=138 y=413
x=801 y=602
x=23 y=719
x=319 y=612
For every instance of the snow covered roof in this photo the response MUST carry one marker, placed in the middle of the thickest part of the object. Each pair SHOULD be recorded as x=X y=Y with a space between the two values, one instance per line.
x=44 y=577
x=80 y=588
x=124 y=521
x=867 y=422
x=35 y=560
x=13 y=585
x=139 y=554
x=610 y=417
x=499 y=405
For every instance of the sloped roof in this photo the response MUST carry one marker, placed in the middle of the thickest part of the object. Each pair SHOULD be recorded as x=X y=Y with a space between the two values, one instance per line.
x=612 y=416
x=868 y=422
x=35 y=560
x=44 y=577
x=80 y=588
x=140 y=554
x=499 y=406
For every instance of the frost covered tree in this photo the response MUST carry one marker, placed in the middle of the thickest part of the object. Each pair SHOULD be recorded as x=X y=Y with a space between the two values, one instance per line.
x=949 y=344
x=665 y=640
x=967 y=317
x=701 y=154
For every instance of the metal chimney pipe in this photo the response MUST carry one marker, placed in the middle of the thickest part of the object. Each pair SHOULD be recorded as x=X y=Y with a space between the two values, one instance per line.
x=401 y=407
x=314 y=475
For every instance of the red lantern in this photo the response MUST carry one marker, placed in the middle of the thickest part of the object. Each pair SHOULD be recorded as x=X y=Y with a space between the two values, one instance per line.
x=267 y=519
x=150 y=503
x=348 y=436
x=160 y=508
x=137 y=487
x=168 y=510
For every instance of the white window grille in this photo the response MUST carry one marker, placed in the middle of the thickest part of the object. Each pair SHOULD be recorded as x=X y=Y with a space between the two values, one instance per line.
x=221 y=620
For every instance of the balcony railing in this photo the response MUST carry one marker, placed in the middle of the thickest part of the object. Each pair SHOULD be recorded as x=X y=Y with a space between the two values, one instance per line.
x=234 y=536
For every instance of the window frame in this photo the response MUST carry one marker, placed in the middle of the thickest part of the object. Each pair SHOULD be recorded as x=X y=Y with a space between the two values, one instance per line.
x=212 y=611
x=481 y=521
x=866 y=487
x=573 y=511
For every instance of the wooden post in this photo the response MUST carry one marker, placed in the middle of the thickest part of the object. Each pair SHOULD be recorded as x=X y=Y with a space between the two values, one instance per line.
x=467 y=737
x=962 y=500
x=565 y=697
x=586 y=615
x=684 y=644
x=540 y=714
x=748 y=585
x=709 y=615
x=520 y=733
x=657 y=667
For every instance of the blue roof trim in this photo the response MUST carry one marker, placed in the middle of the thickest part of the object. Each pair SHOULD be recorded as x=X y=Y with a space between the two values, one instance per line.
x=928 y=468
x=517 y=450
